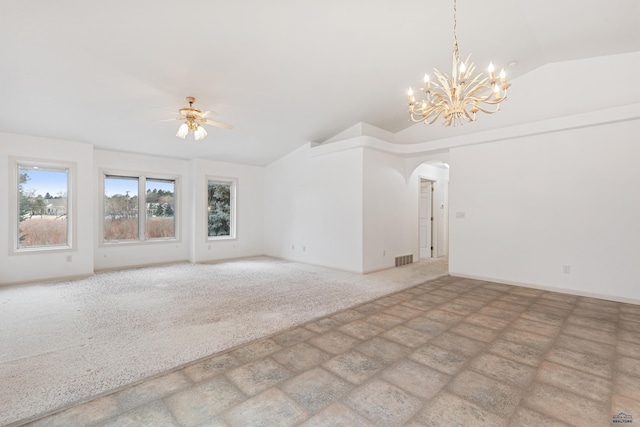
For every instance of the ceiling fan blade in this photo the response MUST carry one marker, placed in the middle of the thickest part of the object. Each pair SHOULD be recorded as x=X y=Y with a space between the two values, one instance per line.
x=171 y=120
x=209 y=113
x=218 y=124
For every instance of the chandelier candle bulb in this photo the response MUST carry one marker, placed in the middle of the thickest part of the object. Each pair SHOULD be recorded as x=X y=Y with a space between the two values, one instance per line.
x=491 y=71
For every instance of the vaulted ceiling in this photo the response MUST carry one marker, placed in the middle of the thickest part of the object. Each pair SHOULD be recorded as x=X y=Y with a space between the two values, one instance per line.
x=282 y=72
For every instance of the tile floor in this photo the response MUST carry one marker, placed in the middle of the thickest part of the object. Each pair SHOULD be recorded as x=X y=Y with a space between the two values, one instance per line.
x=450 y=352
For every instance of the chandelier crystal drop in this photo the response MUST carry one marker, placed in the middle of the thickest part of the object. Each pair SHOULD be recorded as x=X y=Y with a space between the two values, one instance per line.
x=459 y=96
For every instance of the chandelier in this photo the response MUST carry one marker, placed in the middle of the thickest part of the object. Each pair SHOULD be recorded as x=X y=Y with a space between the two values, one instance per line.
x=459 y=96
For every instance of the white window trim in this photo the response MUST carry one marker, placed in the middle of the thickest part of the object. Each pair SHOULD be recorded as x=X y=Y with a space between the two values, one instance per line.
x=14 y=181
x=142 y=178
x=232 y=202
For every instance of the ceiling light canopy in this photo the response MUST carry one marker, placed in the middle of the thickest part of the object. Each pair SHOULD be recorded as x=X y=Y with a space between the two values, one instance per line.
x=459 y=96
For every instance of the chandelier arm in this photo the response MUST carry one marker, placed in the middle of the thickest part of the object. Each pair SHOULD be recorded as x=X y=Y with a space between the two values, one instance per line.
x=484 y=110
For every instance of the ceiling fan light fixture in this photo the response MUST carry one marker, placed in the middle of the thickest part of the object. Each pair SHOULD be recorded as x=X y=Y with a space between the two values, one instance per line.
x=183 y=130
x=200 y=133
x=194 y=119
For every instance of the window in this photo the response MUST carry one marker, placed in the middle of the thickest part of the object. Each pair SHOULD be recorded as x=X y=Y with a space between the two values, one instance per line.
x=160 y=207
x=42 y=206
x=126 y=196
x=120 y=208
x=221 y=208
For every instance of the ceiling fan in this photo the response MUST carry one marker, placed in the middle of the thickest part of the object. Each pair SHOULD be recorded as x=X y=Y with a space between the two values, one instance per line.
x=194 y=118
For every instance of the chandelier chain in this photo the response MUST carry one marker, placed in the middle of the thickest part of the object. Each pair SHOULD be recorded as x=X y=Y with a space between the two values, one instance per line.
x=456 y=52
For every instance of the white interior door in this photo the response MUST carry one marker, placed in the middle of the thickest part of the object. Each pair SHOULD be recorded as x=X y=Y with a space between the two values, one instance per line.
x=426 y=218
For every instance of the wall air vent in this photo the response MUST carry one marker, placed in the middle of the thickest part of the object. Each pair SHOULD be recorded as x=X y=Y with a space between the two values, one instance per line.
x=404 y=260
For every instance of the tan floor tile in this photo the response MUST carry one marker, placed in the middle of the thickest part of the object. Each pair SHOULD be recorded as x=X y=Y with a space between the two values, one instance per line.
x=419 y=304
x=82 y=415
x=444 y=316
x=627 y=386
x=354 y=366
x=539 y=342
x=152 y=414
x=629 y=325
x=403 y=311
x=475 y=332
x=499 y=313
x=585 y=362
x=257 y=376
x=457 y=308
x=567 y=407
x=611 y=317
x=487 y=321
x=383 y=403
x=628 y=365
x=293 y=336
x=419 y=380
x=383 y=350
x=334 y=342
x=269 y=408
x=369 y=308
x=426 y=325
x=384 y=320
x=361 y=329
x=433 y=299
x=316 y=389
x=152 y=389
x=631 y=336
x=535 y=327
x=525 y=417
x=447 y=409
x=590 y=322
x=406 y=336
x=519 y=353
x=581 y=345
x=507 y=305
x=346 y=316
x=544 y=316
x=463 y=345
x=501 y=369
x=554 y=303
x=323 y=325
x=301 y=357
x=491 y=395
x=447 y=361
x=208 y=399
x=209 y=368
x=590 y=334
x=517 y=299
x=256 y=350
x=578 y=382
x=337 y=415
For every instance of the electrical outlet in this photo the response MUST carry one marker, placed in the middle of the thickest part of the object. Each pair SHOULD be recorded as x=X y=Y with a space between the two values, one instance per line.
x=566 y=269
x=69 y=258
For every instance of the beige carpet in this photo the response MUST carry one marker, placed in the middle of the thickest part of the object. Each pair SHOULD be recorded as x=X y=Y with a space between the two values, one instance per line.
x=67 y=342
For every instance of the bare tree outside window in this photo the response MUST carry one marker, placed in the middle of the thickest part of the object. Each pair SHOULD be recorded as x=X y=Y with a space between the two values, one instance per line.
x=120 y=208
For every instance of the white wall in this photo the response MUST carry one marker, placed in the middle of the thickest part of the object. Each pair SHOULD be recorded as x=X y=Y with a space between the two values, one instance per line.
x=23 y=267
x=249 y=239
x=117 y=255
x=313 y=208
x=535 y=204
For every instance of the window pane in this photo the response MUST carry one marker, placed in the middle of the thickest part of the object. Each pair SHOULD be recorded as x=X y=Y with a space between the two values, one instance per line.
x=120 y=208
x=219 y=208
x=43 y=206
x=160 y=209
